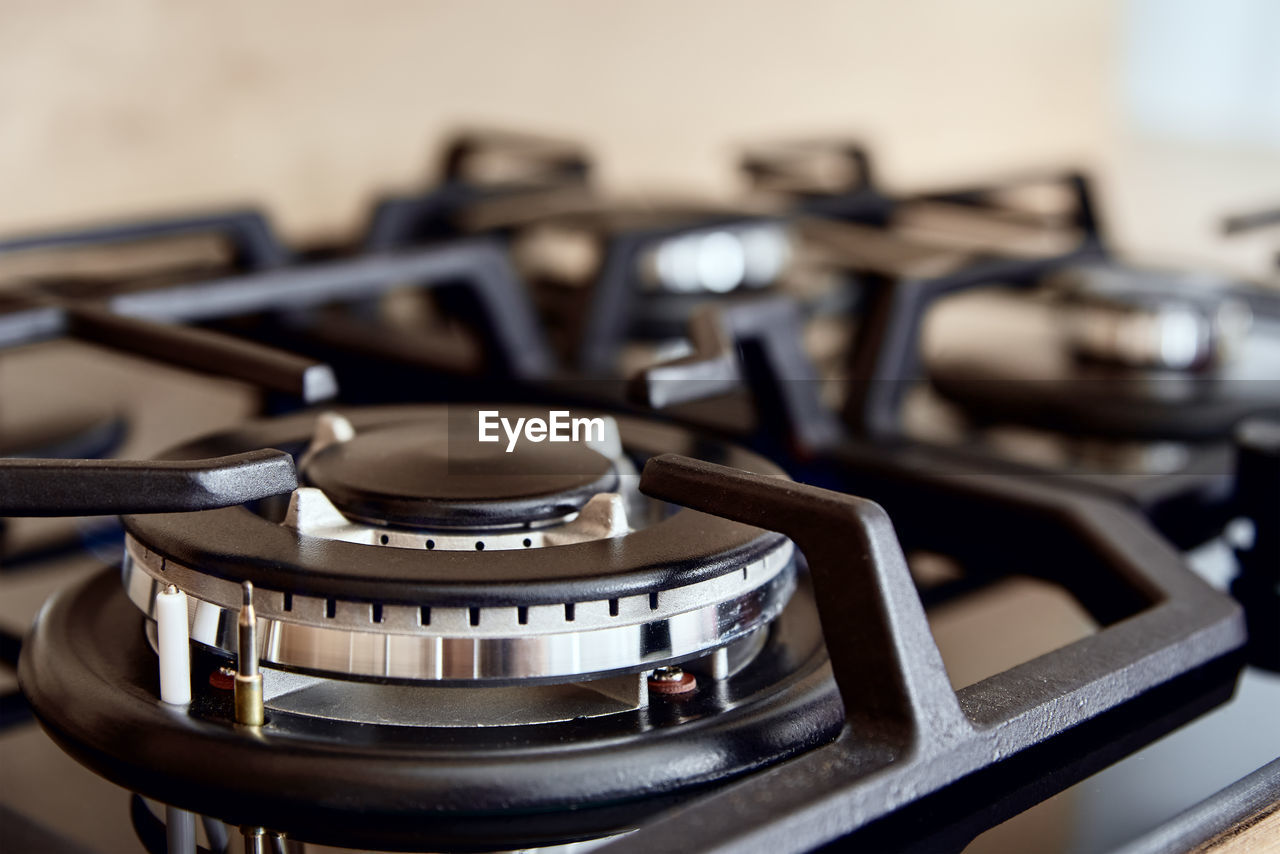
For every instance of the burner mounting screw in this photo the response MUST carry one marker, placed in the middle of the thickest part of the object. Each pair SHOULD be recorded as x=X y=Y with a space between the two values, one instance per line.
x=223 y=678
x=672 y=680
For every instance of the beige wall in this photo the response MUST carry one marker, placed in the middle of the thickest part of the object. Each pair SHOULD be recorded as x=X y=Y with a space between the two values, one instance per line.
x=114 y=108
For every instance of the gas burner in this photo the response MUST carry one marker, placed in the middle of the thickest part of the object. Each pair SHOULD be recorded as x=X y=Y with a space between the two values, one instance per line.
x=1106 y=350
x=1150 y=319
x=404 y=561
x=679 y=645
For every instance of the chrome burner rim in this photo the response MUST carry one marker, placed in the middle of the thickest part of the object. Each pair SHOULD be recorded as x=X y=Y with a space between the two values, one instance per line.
x=572 y=640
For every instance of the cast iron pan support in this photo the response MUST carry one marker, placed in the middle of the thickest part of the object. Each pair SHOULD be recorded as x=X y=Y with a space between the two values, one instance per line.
x=206 y=351
x=908 y=734
x=758 y=337
x=246 y=231
x=57 y=487
x=600 y=328
x=885 y=359
x=1258 y=499
x=541 y=163
x=476 y=273
x=113 y=487
x=886 y=350
x=14 y=710
x=601 y=325
x=897 y=696
x=1251 y=221
x=543 y=160
x=789 y=408
x=256 y=248
x=1084 y=216
x=782 y=167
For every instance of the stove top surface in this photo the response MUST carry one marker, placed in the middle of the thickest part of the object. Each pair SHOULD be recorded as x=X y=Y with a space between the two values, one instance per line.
x=825 y=571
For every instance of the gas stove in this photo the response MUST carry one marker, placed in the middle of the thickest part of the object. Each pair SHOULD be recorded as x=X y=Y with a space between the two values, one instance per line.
x=402 y=566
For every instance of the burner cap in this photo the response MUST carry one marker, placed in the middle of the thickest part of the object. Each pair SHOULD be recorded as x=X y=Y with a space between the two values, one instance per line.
x=409 y=475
